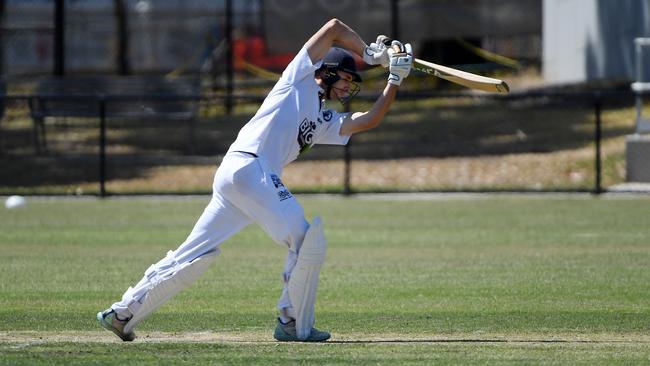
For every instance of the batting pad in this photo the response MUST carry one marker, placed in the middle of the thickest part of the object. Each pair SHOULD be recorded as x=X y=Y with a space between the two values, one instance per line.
x=165 y=282
x=303 y=283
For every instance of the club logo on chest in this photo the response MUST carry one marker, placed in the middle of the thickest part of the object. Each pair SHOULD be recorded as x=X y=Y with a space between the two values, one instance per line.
x=306 y=132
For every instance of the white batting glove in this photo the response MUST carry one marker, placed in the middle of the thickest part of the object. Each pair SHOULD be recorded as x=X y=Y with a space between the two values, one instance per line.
x=401 y=60
x=376 y=53
x=383 y=40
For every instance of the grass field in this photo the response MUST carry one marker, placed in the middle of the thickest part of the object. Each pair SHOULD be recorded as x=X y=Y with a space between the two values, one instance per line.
x=445 y=280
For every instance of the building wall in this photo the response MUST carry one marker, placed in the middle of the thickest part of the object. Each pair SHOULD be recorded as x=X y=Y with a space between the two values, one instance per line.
x=288 y=23
x=592 y=40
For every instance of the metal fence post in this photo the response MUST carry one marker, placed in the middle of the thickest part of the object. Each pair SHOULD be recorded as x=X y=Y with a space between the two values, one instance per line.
x=59 y=38
x=122 y=35
x=2 y=34
x=597 y=138
x=229 y=57
x=347 y=166
x=394 y=20
x=102 y=146
x=347 y=157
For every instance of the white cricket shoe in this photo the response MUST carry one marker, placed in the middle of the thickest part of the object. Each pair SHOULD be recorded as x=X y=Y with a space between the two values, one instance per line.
x=108 y=320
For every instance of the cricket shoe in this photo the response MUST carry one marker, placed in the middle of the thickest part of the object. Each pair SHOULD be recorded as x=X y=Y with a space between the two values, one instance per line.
x=287 y=333
x=108 y=320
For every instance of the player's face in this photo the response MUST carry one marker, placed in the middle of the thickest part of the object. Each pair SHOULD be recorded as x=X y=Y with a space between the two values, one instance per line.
x=341 y=88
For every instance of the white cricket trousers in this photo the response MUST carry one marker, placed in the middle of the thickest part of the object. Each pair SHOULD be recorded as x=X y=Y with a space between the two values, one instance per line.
x=245 y=190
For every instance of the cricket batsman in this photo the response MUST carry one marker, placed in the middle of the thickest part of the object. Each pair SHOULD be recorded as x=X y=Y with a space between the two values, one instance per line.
x=247 y=187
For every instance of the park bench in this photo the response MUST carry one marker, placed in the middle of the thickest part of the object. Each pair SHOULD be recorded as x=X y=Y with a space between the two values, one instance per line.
x=138 y=97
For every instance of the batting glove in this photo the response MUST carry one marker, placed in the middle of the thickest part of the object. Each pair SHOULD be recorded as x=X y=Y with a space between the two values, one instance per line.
x=383 y=40
x=401 y=60
x=376 y=53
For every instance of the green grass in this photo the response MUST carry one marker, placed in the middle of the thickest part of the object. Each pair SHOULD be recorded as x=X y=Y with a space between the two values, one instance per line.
x=494 y=280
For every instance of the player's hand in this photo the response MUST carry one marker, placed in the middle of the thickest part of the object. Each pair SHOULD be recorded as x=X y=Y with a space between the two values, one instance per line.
x=383 y=40
x=376 y=53
x=400 y=62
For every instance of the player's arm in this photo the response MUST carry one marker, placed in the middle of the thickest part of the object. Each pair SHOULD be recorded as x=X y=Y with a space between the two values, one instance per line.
x=401 y=60
x=361 y=121
x=337 y=33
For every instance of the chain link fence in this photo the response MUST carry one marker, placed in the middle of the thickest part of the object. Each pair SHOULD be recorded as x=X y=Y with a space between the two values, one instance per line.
x=572 y=142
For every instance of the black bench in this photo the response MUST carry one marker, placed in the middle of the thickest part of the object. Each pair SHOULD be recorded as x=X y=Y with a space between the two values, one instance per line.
x=124 y=97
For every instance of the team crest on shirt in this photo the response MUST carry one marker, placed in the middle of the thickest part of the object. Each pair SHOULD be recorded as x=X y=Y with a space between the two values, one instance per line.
x=327 y=115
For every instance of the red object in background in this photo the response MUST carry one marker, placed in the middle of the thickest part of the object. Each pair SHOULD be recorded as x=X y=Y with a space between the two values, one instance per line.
x=253 y=50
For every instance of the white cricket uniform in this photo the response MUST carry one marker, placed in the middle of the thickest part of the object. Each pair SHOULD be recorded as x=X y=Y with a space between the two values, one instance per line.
x=247 y=186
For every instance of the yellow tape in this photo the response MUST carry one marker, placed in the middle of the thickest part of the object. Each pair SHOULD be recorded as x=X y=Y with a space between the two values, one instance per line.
x=490 y=56
x=181 y=68
x=258 y=71
x=270 y=75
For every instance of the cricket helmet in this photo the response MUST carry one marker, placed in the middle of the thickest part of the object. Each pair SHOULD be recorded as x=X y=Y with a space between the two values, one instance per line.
x=338 y=59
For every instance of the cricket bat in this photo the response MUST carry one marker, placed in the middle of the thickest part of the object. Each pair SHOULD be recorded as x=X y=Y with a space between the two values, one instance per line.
x=463 y=78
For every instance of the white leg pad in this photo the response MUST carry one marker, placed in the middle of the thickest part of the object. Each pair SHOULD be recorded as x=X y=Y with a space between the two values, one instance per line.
x=303 y=282
x=166 y=280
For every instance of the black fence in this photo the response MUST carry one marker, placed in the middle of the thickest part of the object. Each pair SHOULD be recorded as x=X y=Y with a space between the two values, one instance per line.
x=429 y=142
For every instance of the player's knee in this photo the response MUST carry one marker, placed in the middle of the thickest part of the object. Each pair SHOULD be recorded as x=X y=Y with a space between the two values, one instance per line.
x=298 y=225
x=298 y=228
x=291 y=231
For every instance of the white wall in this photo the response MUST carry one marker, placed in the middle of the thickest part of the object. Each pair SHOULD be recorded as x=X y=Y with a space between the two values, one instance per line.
x=587 y=40
x=566 y=28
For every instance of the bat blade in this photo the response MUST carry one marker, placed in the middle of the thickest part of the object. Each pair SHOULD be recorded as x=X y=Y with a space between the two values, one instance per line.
x=463 y=78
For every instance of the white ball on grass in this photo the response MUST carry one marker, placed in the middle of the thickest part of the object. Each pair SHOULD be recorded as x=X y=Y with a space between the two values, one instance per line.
x=15 y=202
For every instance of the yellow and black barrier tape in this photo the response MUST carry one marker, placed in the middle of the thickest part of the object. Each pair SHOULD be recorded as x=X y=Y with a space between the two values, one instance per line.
x=490 y=56
x=260 y=72
x=273 y=76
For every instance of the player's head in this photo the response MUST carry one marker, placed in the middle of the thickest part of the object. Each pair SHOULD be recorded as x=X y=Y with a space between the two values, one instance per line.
x=338 y=75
